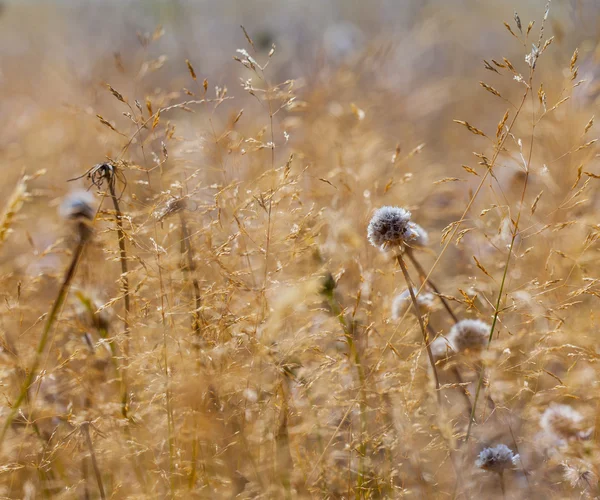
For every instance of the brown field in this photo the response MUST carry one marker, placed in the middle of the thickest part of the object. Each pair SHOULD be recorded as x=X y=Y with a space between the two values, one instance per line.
x=211 y=321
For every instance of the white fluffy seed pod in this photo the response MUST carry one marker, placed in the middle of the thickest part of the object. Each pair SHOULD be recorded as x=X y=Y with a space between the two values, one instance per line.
x=469 y=334
x=562 y=421
x=403 y=302
x=441 y=348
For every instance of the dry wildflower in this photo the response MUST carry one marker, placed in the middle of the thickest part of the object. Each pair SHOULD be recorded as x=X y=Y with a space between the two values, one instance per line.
x=579 y=474
x=496 y=459
x=402 y=303
x=391 y=226
x=469 y=334
x=561 y=421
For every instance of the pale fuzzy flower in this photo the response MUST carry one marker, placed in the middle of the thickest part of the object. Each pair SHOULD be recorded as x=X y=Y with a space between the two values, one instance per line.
x=78 y=205
x=441 y=348
x=471 y=334
x=579 y=474
x=496 y=459
x=390 y=226
x=422 y=238
x=561 y=421
x=403 y=302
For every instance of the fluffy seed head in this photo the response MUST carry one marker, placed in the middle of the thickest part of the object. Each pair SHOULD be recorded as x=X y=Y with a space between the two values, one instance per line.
x=441 y=348
x=471 y=334
x=561 y=421
x=78 y=205
x=403 y=302
x=579 y=473
x=496 y=459
x=391 y=226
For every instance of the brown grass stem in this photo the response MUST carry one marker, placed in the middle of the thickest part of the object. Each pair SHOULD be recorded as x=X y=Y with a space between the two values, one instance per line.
x=124 y=278
x=187 y=250
x=411 y=256
x=86 y=433
x=410 y=286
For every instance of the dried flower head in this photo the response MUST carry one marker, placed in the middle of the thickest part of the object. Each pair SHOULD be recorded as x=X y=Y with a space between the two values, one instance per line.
x=403 y=302
x=579 y=474
x=496 y=459
x=78 y=205
x=469 y=334
x=561 y=421
x=391 y=226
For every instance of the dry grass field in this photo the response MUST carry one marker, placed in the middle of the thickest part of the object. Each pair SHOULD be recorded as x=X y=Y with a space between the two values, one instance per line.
x=201 y=298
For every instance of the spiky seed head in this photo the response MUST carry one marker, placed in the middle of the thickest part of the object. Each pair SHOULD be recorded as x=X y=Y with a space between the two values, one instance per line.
x=403 y=302
x=496 y=459
x=469 y=334
x=562 y=421
x=78 y=205
x=390 y=226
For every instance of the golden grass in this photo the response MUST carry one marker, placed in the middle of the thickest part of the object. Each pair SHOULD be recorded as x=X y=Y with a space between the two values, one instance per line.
x=228 y=331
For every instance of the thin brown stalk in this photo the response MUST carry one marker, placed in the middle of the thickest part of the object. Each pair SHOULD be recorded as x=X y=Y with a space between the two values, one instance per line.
x=125 y=288
x=423 y=274
x=188 y=250
x=410 y=286
x=456 y=372
x=86 y=432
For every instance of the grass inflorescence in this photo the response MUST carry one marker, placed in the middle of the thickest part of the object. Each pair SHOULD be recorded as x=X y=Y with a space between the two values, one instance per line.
x=359 y=273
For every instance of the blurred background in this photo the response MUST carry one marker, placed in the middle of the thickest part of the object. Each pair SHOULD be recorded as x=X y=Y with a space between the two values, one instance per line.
x=366 y=94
